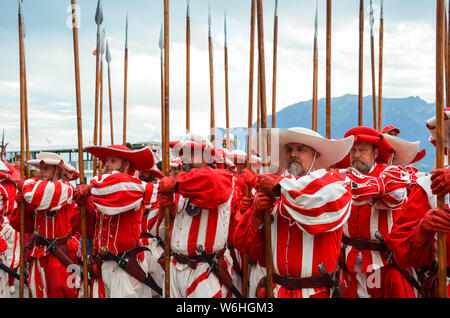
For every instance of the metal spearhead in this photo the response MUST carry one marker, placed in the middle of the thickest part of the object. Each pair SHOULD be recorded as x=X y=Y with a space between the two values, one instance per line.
x=382 y=10
x=209 y=19
x=102 y=42
x=99 y=13
x=188 y=11
x=126 y=33
x=21 y=17
x=276 y=8
x=225 y=29
x=372 y=20
x=108 y=53
x=316 y=20
x=161 y=36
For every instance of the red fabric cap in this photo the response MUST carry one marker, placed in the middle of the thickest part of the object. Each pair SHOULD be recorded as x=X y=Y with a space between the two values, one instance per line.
x=371 y=135
x=390 y=128
x=140 y=159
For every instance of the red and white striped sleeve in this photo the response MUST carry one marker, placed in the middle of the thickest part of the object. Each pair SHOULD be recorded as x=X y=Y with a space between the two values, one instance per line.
x=116 y=193
x=47 y=195
x=388 y=191
x=319 y=202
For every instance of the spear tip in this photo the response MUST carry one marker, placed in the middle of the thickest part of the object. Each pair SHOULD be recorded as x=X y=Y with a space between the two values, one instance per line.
x=161 y=35
x=126 y=32
x=276 y=8
x=188 y=11
x=99 y=13
x=108 y=53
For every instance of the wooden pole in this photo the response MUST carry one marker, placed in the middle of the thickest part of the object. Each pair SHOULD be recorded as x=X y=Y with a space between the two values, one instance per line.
x=211 y=81
x=82 y=208
x=328 y=71
x=315 y=75
x=166 y=150
x=447 y=67
x=380 y=71
x=267 y=215
x=22 y=152
x=101 y=101
x=275 y=58
x=227 y=99
x=161 y=47
x=125 y=86
x=372 y=53
x=98 y=21
x=188 y=69
x=440 y=138
x=361 y=62
x=245 y=274
x=111 y=124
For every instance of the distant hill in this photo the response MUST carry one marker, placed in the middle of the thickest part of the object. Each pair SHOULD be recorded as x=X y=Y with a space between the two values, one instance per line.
x=408 y=114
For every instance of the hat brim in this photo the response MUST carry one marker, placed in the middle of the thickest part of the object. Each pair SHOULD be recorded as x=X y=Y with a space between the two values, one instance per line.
x=140 y=159
x=331 y=150
x=404 y=151
x=67 y=169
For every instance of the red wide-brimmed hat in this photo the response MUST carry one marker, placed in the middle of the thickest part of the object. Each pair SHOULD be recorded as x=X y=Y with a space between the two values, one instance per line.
x=140 y=159
x=196 y=144
x=370 y=135
x=176 y=163
x=390 y=128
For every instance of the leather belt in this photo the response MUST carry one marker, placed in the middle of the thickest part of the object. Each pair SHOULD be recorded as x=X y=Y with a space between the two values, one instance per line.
x=295 y=283
x=193 y=261
x=55 y=241
x=362 y=244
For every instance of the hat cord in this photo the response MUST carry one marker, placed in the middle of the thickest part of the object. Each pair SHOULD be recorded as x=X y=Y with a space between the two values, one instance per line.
x=312 y=163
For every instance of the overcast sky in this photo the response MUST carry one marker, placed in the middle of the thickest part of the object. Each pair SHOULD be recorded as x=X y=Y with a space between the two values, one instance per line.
x=409 y=61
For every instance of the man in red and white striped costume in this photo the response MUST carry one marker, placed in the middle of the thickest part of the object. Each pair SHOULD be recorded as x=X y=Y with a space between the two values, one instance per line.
x=116 y=201
x=200 y=199
x=51 y=211
x=8 y=236
x=8 y=179
x=309 y=207
x=413 y=239
x=378 y=193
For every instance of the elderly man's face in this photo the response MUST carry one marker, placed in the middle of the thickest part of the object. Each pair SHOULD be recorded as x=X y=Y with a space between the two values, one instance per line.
x=363 y=156
x=115 y=164
x=299 y=159
x=47 y=172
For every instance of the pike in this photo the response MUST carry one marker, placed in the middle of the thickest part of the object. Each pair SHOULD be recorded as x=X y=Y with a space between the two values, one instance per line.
x=328 y=71
x=165 y=147
x=188 y=68
x=102 y=53
x=108 y=60
x=161 y=48
x=274 y=74
x=262 y=80
x=81 y=208
x=440 y=138
x=211 y=78
x=98 y=21
x=380 y=70
x=245 y=272
x=23 y=98
x=361 y=62
x=227 y=100
x=446 y=57
x=125 y=88
x=315 y=72
x=372 y=53
x=3 y=152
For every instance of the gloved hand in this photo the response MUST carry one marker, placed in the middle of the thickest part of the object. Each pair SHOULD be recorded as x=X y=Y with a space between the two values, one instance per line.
x=81 y=193
x=167 y=185
x=19 y=197
x=440 y=182
x=250 y=178
x=19 y=184
x=263 y=202
x=267 y=183
x=435 y=220
x=166 y=200
x=245 y=204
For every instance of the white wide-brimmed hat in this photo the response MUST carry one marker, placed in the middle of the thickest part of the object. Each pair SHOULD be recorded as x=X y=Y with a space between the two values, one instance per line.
x=431 y=125
x=49 y=158
x=404 y=151
x=240 y=156
x=331 y=150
